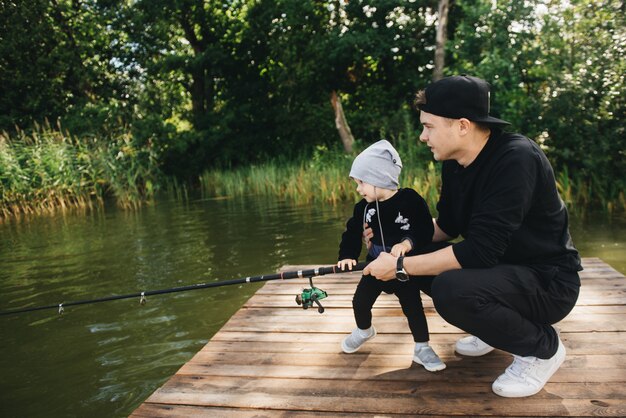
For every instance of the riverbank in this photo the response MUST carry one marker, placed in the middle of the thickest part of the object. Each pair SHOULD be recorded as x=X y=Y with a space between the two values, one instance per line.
x=324 y=178
x=48 y=170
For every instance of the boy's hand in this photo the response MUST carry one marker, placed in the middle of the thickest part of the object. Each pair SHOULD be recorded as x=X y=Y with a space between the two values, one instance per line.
x=401 y=248
x=346 y=263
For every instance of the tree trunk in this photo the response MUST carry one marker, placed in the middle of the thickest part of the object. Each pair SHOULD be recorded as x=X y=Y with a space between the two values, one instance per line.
x=440 y=40
x=341 y=123
x=198 y=98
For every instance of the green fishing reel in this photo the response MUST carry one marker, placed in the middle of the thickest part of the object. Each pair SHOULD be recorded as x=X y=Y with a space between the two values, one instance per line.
x=311 y=296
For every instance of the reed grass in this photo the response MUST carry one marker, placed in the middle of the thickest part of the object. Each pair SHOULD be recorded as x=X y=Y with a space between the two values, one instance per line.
x=321 y=178
x=306 y=184
x=324 y=178
x=175 y=190
x=46 y=169
x=582 y=193
x=296 y=182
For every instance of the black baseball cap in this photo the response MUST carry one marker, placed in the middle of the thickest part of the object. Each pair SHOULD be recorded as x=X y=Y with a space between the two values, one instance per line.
x=460 y=96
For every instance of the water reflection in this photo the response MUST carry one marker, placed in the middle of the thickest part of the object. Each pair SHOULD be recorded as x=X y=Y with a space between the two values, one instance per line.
x=102 y=360
x=603 y=236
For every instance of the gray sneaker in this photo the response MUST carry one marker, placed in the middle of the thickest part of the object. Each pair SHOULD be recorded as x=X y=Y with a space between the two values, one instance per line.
x=356 y=339
x=427 y=357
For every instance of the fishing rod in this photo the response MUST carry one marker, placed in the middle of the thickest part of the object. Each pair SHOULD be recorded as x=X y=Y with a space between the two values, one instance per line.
x=307 y=298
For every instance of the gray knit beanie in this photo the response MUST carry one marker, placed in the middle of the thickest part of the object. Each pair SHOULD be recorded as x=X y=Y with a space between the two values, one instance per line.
x=379 y=165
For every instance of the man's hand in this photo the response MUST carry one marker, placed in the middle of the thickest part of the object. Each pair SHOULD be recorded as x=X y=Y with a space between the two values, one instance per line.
x=367 y=235
x=383 y=268
x=346 y=263
x=401 y=248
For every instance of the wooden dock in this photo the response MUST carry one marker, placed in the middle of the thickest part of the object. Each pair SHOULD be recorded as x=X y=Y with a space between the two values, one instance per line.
x=274 y=359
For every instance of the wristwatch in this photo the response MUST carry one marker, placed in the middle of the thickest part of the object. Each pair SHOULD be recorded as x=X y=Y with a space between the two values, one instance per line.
x=401 y=273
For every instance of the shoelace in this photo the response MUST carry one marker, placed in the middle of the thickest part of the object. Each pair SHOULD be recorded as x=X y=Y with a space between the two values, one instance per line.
x=520 y=366
x=427 y=355
x=475 y=342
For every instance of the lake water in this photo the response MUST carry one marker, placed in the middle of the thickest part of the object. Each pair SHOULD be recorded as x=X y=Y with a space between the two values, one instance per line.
x=103 y=360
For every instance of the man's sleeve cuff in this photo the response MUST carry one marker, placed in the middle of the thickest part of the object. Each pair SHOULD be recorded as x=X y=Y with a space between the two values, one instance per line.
x=465 y=255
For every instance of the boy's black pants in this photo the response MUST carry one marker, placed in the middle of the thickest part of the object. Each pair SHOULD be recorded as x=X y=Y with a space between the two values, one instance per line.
x=408 y=294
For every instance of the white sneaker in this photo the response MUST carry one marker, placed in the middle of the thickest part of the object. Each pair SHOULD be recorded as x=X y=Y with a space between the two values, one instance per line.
x=357 y=338
x=472 y=346
x=427 y=357
x=528 y=375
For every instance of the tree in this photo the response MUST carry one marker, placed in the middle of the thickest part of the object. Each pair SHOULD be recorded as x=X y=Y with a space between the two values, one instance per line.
x=380 y=55
x=440 y=39
x=38 y=74
x=193 y=38
x=584 y=99
x=347 y=139
x=557 y=70
x=60 y=60
x=497 y=42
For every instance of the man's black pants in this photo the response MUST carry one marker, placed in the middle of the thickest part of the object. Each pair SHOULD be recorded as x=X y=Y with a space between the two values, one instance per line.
x=510 y=307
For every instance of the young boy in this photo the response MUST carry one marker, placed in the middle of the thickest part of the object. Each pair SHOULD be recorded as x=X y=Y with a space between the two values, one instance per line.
x=401 y=223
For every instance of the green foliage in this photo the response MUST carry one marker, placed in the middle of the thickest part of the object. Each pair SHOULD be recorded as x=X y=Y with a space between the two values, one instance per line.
x=211 y=85
x=32 y=68
x=557 y=70
x=257 y=75
x=587 y=102
x=497 y=41
x=47 y=169
x=58 y=57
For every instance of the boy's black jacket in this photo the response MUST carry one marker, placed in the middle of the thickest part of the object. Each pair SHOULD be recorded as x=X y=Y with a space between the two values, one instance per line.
x=404 y=215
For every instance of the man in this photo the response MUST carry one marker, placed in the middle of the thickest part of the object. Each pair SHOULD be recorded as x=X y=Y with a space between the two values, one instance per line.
x=516 y=271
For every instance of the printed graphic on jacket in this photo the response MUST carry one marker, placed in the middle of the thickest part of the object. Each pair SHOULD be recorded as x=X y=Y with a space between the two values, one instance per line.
x=405 y=221
x=369 y=214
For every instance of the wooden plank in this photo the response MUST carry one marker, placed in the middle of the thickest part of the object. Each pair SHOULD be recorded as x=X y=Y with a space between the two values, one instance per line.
x=373 y=389
x=429 y=310
x=424 y=401
x=249 y=320
x=410 y=372
x=274 y=359
x=347 y=287
x=340 y=314
x=576 y=343
x=588 y=296
x=499 y=360
x=225 y=334
x=156 y=410
x=405 y=395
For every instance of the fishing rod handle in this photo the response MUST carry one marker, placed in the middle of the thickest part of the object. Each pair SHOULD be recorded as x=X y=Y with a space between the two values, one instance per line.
x=334 y=269
x=322 y=271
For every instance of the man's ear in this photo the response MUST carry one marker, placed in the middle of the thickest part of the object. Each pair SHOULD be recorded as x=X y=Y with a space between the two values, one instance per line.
x=464 y=126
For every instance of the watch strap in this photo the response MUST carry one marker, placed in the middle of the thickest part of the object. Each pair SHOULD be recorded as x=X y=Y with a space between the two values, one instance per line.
x=400 y=264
